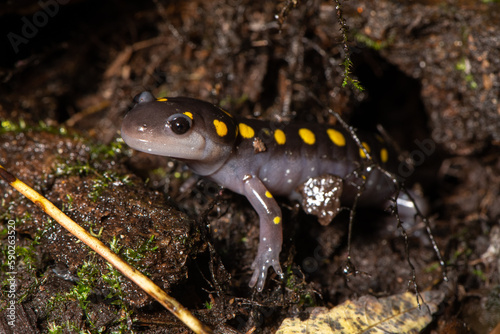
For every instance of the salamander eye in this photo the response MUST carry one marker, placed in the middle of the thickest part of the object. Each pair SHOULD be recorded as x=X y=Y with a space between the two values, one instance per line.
x=179 y=123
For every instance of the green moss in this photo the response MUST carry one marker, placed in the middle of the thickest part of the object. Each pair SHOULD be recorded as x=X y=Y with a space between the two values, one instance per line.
x=372 y=43
x=307 y=300
x=63 y=169
x=99 y=153
x=18 y=256
x=113 y=278
x=160 y=172
x=433 y=267
x=229 y=101
x=347 y=63
x=70 y=327
x=55 y=329
x=91 y=230
x=102 y=179
x=21 y=126
x=135 y=255
x=68 y=206
x=11 y=126
x=98 y=187
x=464 y=66
x=107 y=152
x=480 y=274
x=88 y=276
x=105 y=180
x=291 y=280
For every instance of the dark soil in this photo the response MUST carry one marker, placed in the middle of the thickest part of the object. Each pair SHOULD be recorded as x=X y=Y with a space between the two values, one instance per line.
x=430 y=72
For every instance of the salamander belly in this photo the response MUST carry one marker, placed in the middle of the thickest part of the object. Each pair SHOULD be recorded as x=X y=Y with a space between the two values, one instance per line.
x=283 y=176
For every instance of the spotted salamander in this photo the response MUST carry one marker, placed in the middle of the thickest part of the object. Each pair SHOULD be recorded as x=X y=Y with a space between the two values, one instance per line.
x=258 y=159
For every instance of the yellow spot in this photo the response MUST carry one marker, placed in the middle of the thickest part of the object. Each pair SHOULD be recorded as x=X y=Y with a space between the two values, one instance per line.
x=162 y=99
x=384 y=155
x=336 y=137
x=188 y=114
x=268 y=194
x=367 y=148
x=277 y=220
x=280 y=137
x=307 y=136
x=220 y=127
x=246 y=131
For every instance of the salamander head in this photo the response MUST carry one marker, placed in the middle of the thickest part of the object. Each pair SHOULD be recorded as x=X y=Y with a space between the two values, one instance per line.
x=188 y=129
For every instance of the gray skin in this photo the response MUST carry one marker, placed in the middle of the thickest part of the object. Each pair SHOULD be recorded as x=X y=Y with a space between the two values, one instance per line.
x=185 y=129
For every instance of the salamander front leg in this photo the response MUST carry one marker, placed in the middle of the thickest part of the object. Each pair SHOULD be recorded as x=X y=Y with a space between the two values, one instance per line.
x=271 y=235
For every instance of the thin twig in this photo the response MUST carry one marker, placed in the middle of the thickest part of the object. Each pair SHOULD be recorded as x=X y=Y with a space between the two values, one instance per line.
x=135 y=276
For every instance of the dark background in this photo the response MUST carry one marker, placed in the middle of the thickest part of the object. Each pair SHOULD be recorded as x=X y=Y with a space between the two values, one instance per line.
x=430 y=72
